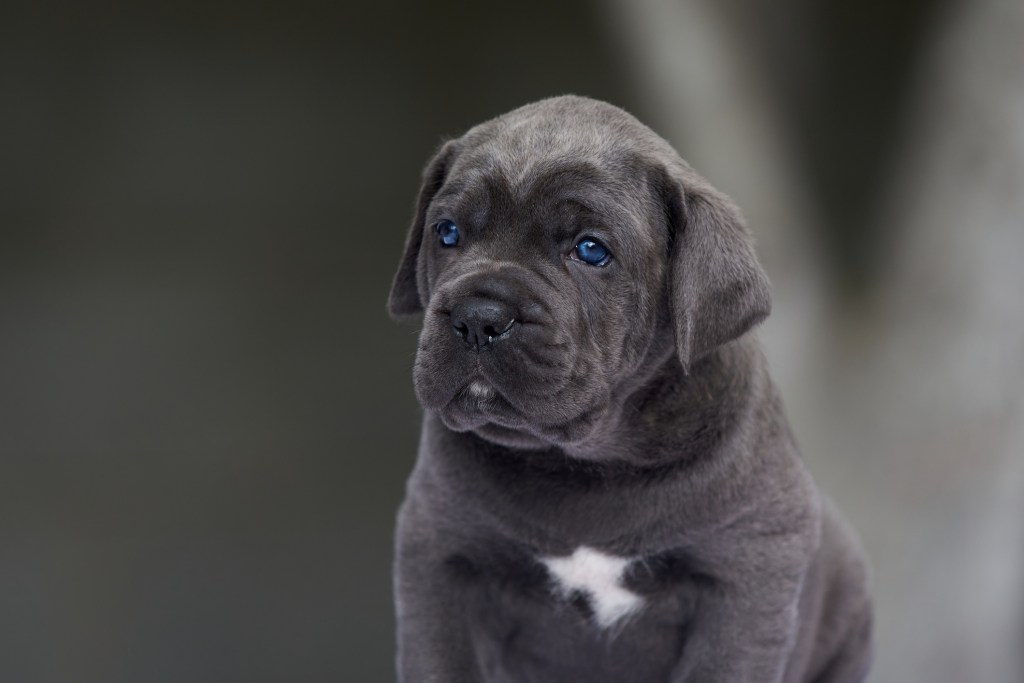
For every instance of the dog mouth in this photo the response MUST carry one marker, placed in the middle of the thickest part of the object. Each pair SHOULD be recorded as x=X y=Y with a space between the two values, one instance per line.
x=531 y=383
x=480 y=402
x=479 y=390
x=478 y=398
x=479 y=406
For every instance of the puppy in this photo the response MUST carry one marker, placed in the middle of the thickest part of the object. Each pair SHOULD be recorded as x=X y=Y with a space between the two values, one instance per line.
x=606 y=487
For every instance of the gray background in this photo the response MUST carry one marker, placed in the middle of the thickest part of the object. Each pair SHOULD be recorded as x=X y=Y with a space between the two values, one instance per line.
x=206 y=417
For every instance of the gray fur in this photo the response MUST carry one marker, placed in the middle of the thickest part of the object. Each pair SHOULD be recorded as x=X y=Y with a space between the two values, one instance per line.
x=632 y=414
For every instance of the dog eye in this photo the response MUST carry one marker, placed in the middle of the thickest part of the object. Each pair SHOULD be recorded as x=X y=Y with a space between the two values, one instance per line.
x=592 y=252
x=448 y=232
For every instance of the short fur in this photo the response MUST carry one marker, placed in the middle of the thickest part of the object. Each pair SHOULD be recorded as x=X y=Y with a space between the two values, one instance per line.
x=631 y=413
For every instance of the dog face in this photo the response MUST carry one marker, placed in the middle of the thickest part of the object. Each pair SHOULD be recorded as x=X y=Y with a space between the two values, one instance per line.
x=558 y=253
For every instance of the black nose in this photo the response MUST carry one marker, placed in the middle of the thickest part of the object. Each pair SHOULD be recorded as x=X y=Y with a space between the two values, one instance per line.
x=482 y=321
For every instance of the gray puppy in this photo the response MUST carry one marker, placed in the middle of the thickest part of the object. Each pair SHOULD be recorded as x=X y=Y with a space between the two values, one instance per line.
x=606 y=488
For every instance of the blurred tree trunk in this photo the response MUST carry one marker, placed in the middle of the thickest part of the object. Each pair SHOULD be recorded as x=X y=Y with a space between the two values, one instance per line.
x=948 y=369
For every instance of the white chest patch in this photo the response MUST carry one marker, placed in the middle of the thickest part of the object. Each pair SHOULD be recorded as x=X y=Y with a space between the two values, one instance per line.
x=599 y=576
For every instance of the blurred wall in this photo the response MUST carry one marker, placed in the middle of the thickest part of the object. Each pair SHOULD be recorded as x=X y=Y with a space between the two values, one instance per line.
x=206 y=418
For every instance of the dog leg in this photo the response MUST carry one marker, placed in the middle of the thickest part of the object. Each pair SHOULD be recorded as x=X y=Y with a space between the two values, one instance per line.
x=741 y=642
x=434 y=645
x=749 y=621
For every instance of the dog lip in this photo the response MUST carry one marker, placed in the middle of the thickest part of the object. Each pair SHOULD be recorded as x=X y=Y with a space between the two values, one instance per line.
x=479 y=389
x=476 y=403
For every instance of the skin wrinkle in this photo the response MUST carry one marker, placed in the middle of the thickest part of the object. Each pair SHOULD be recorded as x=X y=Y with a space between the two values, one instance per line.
x=636 y=418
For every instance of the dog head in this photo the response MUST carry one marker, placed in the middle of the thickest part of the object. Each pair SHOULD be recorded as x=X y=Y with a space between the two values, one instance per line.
x=556 y=252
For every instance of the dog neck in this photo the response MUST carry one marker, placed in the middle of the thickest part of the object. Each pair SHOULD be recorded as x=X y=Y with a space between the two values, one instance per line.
x=673 y=416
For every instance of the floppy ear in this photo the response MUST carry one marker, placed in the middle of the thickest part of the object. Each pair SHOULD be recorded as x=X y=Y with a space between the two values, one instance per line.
x=717 y=288
x=408 y=289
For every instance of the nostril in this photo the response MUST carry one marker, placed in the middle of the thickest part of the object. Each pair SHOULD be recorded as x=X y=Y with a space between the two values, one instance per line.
x=491 y=331
x=462 y=329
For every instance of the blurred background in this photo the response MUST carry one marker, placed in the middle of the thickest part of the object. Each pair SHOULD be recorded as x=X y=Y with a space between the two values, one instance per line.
x=206 y=417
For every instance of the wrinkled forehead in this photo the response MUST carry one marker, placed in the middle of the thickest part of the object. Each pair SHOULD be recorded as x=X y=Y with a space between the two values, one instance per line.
x=522 y=150
x=533 y=168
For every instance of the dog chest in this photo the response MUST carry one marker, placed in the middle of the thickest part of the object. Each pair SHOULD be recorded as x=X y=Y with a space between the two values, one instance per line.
x=585 y=615
x=599 y=578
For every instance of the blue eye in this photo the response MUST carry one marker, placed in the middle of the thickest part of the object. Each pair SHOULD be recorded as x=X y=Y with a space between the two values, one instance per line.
x=592 y=252
x=448 y=232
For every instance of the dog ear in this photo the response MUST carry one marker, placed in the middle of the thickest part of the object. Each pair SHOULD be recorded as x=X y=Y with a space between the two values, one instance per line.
x=717 y=288
x=408 y=289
